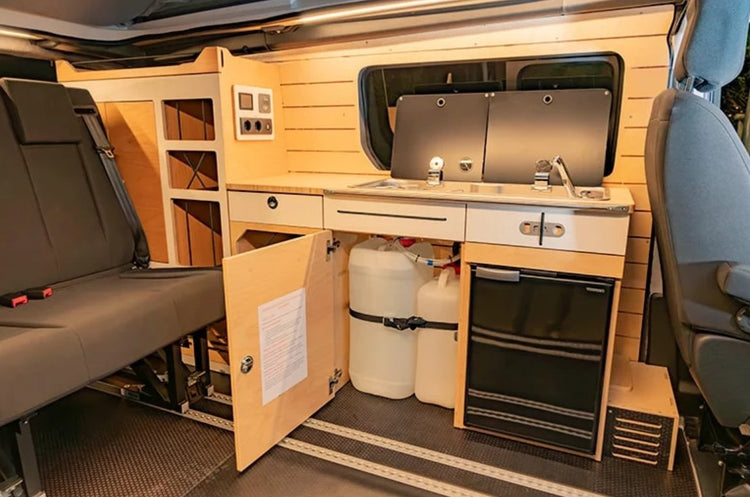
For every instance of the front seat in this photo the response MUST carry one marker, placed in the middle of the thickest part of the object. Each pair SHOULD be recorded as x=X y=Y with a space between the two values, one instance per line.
x=698 y=175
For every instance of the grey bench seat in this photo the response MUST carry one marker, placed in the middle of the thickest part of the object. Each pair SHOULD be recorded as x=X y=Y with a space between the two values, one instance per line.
x=37 y=366
x=120 y=318
x=61 y=225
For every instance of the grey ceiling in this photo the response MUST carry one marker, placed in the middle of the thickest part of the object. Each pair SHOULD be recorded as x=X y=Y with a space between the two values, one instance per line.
x=88 y=12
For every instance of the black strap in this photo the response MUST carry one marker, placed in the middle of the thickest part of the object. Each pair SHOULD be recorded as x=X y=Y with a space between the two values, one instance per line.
x=411 y=323
x=90 y=116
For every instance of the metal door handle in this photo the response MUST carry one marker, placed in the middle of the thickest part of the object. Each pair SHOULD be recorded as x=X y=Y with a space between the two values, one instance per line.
x=498 y=274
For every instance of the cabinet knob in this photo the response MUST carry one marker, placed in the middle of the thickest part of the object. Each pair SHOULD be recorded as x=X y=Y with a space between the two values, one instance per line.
x=247 y=364
x=272 y=202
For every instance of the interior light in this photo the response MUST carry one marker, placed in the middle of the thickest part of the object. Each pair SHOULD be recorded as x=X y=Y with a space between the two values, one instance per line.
x=367 y=10
x=18 y=34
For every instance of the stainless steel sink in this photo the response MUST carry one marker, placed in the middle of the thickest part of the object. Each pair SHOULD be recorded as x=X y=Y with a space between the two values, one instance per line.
x=499 y=189
x=410 y=184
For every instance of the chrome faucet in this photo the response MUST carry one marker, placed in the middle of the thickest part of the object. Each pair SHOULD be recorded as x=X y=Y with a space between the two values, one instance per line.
x=542 y=180
x=562 y=170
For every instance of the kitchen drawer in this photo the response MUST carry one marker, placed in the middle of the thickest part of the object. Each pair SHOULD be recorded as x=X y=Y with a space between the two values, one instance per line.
x=275 y=208
x=444 y=221
x=564 y=229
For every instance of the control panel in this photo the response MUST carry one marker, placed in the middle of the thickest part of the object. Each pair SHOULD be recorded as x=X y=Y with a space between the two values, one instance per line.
x=253 y=113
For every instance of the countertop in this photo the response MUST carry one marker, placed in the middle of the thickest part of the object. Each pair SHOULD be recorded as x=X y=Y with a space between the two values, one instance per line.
x=620 y=201
x=305 y=183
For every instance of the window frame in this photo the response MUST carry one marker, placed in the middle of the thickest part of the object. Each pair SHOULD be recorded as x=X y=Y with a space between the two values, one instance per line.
x=513 y=68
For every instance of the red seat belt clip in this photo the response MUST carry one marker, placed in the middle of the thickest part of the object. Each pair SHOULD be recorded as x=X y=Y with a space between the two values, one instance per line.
x=13 y=299
x=39 y=293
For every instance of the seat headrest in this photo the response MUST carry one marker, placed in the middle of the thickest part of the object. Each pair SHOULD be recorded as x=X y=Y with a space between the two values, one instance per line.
x=40 y=112
x=713 y=48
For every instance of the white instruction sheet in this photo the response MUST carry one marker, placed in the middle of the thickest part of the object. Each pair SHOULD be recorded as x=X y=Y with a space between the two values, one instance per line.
x=283 y=343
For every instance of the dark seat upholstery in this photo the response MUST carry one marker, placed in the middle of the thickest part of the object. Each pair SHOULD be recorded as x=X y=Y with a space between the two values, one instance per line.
x=57 y=368
x=698 y=174
x=62 y=226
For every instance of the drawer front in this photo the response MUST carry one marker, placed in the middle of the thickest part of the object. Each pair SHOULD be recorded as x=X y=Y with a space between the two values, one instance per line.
x=586 y=232
x=563 y=229
x=501 y=224
x=433 y=220
x=275 y=208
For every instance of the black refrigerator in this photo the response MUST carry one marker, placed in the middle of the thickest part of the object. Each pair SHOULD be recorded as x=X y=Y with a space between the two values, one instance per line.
x=537 y=352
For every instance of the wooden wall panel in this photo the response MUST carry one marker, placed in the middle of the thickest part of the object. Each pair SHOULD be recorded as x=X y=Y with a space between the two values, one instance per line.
x=132 y=132
x=319 y=94
x=635 y=275
x=629 y=169
x=640 y=225
x=329 y=140
x=635 y=112
x=321 y=107
x=631 y=141
x=315 y=118
x=246 y=160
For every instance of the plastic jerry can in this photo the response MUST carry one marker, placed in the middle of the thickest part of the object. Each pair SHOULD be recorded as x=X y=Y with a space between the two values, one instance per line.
x=383 y=282
x=437 y=301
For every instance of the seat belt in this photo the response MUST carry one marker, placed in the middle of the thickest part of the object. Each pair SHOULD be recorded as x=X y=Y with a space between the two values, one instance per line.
x=90 y=116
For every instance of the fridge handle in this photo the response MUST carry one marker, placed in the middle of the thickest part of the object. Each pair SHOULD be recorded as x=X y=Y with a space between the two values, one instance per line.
x=498 y=274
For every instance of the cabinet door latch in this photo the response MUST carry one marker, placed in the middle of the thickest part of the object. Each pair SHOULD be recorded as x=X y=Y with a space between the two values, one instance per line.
x=331 y=247
x=334 y=380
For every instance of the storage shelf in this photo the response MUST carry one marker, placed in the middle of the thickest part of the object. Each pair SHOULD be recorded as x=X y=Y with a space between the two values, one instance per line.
x=190 y=145
x=206 y=195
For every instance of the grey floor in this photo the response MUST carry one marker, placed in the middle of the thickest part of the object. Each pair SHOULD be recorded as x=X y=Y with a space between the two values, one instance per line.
x=91 y=444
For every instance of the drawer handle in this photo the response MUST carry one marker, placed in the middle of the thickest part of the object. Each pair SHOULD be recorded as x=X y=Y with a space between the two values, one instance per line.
x=272 y=202
x=395 y=216
x=498 y=274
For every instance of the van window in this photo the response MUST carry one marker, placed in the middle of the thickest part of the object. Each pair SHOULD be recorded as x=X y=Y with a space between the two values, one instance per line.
x=381 y=86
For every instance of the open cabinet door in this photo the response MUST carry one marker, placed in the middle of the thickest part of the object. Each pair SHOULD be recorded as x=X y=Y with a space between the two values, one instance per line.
x=279 y=304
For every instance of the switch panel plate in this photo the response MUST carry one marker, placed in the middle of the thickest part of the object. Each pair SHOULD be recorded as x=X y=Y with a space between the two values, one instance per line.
x=253 y=113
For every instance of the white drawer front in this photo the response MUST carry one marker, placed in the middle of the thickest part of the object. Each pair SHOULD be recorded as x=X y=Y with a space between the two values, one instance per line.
x=277 y=208
x=499 y=224
x=588 y=232
x=565 y=229
x=444 y=221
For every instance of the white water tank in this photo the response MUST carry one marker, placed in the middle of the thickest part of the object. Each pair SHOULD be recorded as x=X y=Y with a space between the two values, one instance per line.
x=383 y=282
x=437 y=302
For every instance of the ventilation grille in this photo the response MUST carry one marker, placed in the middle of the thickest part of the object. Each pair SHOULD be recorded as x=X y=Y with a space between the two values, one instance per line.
x=639 y=437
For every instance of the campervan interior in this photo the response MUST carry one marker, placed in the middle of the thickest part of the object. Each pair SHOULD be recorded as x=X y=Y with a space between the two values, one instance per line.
x=317 y=248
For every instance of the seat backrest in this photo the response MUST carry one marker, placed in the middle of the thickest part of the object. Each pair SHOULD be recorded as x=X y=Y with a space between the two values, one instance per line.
x=698 y=175
x=59 y=216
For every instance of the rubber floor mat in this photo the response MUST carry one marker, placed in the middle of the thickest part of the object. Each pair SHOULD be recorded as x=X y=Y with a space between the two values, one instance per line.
x=90 y=444
x=440 y=472
x=283 y=473
x=431 y=427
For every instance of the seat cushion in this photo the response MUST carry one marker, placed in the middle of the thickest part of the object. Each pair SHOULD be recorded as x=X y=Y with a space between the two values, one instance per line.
x=120 y=317
x=197 y=293
x=37 y=366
